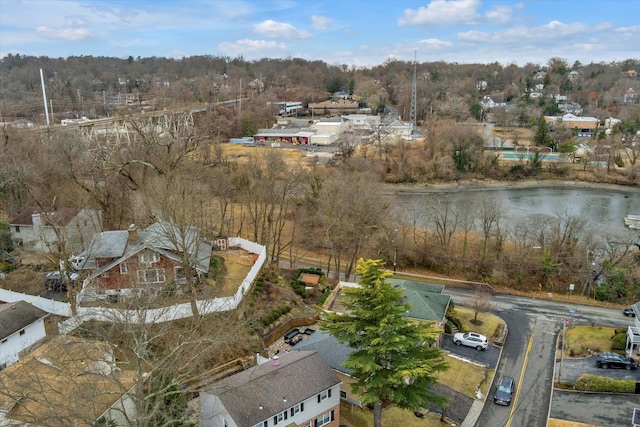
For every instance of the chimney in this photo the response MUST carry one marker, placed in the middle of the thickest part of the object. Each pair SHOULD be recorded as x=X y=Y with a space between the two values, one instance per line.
x=275 y=360
x=133 y=234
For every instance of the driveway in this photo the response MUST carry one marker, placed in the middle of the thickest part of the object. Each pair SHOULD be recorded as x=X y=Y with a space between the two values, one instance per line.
x=488 y=357
x=571 y=369
x=594 y=408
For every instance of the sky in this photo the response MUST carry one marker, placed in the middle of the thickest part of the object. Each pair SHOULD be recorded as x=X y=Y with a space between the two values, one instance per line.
x=361 y=33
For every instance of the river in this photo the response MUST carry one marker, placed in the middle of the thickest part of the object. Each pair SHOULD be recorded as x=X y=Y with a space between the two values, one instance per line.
x=604 y=207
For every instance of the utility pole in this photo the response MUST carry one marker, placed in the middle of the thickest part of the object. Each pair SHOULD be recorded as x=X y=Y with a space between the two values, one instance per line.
x=414 y=90
x=44 y=97
x=564 y=329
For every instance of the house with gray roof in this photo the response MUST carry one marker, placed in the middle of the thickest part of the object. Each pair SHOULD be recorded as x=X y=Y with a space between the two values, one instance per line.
x=127 y=262
x=292 y=389
x=428 y=302
x=21 y=326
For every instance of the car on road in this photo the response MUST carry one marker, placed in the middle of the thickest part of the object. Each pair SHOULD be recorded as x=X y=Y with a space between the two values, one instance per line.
x=471 y=339
x=504 y=391
x=629 y=312
x=615 y=360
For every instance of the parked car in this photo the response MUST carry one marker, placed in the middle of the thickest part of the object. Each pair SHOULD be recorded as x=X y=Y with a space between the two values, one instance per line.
x=629 y=312
x=471 y=339
x=54 y=281
x=615 y=360
x=504 y=391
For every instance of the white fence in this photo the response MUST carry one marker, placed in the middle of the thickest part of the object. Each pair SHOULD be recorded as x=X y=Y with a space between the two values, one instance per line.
x=158 y=315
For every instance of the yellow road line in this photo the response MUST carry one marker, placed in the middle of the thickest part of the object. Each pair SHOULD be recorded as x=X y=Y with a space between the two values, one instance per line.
x=524 y=368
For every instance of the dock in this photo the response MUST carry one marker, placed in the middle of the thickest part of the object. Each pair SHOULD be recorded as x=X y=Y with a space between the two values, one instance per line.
x=632 y=222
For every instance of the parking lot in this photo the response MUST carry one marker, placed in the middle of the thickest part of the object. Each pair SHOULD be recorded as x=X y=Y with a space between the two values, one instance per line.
x=570 y=369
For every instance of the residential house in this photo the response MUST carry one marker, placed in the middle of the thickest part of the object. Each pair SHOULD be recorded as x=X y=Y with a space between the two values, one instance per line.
x=396 y=128
x=67 y=381
x=332 y=108
x=428 y=302
x=292 y=389
x=584 y=126
x=146 y=261
x=334 y=353
x=44 y=232
x=487 y=103
x=630 y=97
x=21 y=326
x=571 y=108
x=341 y=95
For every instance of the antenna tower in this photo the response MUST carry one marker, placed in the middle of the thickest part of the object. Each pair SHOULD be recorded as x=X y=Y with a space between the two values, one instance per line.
x=414 y=90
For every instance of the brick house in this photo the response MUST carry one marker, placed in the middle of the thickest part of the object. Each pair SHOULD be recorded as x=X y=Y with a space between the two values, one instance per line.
x=147 y=261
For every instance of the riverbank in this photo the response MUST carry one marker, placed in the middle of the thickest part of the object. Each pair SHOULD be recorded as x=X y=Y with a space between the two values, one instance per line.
x=485 y=184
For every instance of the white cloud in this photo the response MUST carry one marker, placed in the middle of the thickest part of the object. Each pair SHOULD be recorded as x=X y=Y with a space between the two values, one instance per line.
x=442 y=12
x=69 y=34
x=474 y=36
x=435 y=43
x=280 y=30
x=320 y=22
x=499 y=15
x=265 y=47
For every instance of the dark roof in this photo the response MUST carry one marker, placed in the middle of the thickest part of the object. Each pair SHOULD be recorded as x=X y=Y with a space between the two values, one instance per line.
x=18 y=315
x=298 y=376
x=61 y=216
x=329 y=348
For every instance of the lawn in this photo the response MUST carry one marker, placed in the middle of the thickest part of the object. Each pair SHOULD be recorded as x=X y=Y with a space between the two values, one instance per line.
x=352 y=416
x=580 y=339
x=466 y=377
x=489 y=322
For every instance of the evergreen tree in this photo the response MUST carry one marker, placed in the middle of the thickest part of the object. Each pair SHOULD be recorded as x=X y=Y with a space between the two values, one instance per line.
x=542 y=137
x=394 y=361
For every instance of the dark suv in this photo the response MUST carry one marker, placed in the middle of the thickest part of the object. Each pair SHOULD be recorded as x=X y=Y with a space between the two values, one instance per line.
x=504 y=391
x=615 y=360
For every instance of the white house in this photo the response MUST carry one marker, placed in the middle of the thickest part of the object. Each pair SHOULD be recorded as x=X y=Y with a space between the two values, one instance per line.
x=21 y=326
x=41 y=231
x=361 y=121
x=296 y=389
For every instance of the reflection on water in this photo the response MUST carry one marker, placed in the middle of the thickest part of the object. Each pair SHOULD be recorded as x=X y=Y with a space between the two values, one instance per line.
x=604 y=209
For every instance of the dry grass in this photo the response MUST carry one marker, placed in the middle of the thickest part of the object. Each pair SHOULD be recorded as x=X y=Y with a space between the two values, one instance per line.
x=237 y=265
x=489 y=322
x=582 y=338
x=466 y=377
x=554 y=422
x=352 y=416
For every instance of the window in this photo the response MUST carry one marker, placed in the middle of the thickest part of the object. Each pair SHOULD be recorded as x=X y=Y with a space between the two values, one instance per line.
x=124 y=269
x=324 y=395
x=280 y=417
x=154 y=275
x=262 y=424
x=149 y=257
x=324 y=419
x=225 y=423
x=179 y=272
x=4 y=341
x=17 y=228
x=343 y=394
x=22 y=332
x=298 y=408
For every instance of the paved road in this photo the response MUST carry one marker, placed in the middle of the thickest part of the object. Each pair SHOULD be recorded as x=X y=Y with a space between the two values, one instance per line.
x=573 y=368
x=594 y=408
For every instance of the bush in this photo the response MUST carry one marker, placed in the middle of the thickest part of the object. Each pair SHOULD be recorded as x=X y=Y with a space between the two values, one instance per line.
x=457 y=322
x=587 y=382
x=275 y=315
x=619 y=341
x=324 y=297
x=299 y=288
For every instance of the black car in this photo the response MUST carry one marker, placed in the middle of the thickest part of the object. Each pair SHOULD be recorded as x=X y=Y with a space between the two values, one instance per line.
x=615 y=360
x=629 y=312
x=504 y=391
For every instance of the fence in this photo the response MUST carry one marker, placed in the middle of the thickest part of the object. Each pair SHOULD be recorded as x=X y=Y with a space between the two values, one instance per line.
x=159 y=315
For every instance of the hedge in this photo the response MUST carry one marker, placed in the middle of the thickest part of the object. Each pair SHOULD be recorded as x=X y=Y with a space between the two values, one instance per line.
x=588 y=382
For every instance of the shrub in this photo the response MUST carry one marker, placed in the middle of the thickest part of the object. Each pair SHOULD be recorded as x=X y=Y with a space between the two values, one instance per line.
x=587 y=382
x=619 y=341
x=299 y=288
x=324 y=297
x=275 y=315
x=457 y=322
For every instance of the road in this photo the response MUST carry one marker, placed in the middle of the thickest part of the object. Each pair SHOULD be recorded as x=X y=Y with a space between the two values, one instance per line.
x=533 y=324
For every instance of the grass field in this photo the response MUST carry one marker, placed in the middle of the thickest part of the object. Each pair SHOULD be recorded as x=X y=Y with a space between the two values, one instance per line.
x=466 y=377
x=489 y=322
x=352 y=416
x=580 y=339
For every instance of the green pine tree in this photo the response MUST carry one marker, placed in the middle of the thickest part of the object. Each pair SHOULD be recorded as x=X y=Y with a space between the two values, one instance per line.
x=394 y=361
